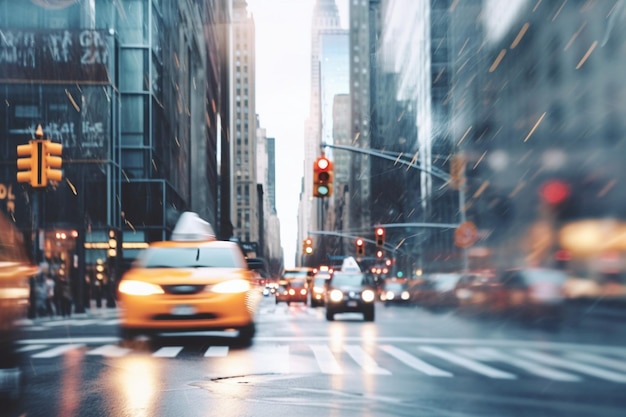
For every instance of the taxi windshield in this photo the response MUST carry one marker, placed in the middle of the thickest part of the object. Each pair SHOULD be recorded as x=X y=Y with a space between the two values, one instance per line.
x=342 y=279
x=190 y=258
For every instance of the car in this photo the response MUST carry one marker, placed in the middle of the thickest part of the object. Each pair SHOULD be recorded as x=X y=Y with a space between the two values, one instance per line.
x=282 y=292
x=15 y=272
x=475 y=292
x=297 y=292
x=304 y=273
x=350 y=291
x=437 y=291
x=532 y=295
x=190 y=283
x=395 y=291
x=318 y=291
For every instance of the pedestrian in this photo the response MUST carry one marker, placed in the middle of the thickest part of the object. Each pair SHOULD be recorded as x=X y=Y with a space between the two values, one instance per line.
x=39 y=290
x=66 y=297
x=49 y=286
x=40 y=296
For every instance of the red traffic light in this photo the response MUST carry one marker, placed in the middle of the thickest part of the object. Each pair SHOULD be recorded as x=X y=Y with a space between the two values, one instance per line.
x=554 y=192
x=380 y=237
x=360 y=247
x=322 y=177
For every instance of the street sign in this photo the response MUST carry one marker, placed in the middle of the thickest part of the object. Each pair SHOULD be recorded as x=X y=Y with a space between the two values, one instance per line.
x=465 y=235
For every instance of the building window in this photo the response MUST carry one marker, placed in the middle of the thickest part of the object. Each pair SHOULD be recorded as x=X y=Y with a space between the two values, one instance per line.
x=133 y=67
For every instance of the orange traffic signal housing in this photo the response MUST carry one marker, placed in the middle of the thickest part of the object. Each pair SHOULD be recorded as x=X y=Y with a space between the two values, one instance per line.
x=380 y=237
x=323 y=177
x=360 y=247
x=39 y=161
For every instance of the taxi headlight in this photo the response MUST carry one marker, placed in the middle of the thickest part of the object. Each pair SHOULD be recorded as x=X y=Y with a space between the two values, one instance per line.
x=405 y=295
x=368 y=296
x=390 y=295
x=131 y=287
x=336 y=295
x=231 y=287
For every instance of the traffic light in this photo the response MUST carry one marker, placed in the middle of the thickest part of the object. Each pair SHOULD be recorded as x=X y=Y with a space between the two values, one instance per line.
x=307 y=246
x=380 y=237
x=39 y=161
x=555 y=192
x=28 y=163
x=457 y=171
x=360 y=247
x=52 y=161
x=322 y=177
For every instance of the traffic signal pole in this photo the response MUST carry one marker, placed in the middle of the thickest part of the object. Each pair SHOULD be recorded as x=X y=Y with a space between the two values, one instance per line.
x=434 y=171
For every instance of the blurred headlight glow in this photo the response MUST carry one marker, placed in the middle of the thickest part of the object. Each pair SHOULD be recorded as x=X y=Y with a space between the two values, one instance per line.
x=390 y=295
x=368 y=296
x=231 y=287
x=131 y=287
x=405 y=295
x=336 y=295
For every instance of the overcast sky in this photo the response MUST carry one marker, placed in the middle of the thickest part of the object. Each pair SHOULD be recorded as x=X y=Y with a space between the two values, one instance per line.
x=283 y=45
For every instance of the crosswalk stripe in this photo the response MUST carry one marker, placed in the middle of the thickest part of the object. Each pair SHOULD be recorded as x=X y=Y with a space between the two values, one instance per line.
x=598 y=360
x=368 y=363
x=110 y=351
x=414 y=362
x=491 y=354
x=31 y=347
x=468 y=363
x=167 y=352
x=57 y=351
x=216 y=351
x=276 y=358
x=575 y=366
x=326 y=360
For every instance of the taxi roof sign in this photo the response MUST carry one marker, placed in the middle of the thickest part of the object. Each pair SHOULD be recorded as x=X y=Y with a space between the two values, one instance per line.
x=190 y=227
x=350 y=264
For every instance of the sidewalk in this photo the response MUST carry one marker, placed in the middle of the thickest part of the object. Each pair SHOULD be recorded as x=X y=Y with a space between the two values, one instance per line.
x=92 y=312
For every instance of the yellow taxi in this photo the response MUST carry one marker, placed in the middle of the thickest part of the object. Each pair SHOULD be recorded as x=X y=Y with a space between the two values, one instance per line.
x=190 y=283
x=15 y=271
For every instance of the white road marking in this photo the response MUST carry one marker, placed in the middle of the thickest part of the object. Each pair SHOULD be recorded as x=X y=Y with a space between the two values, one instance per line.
x=31 y=347
x=575 y=366
x=468 y=363
x=57 y=351
x=167 y=352
x=414 y=362
x=216 y=351
x=368 y=363
x=326 y=360
x=110 y=351
x=618 y=365
x=490 y=354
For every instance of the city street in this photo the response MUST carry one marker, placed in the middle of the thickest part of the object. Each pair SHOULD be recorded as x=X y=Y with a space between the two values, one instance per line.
x=408 y=362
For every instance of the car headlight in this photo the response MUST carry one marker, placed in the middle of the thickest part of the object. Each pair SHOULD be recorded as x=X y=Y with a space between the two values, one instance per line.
x=390 y=295
x=231 y=287
x=405 y=295
x=336 y=295
x=368 y=296
x=131 y=287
